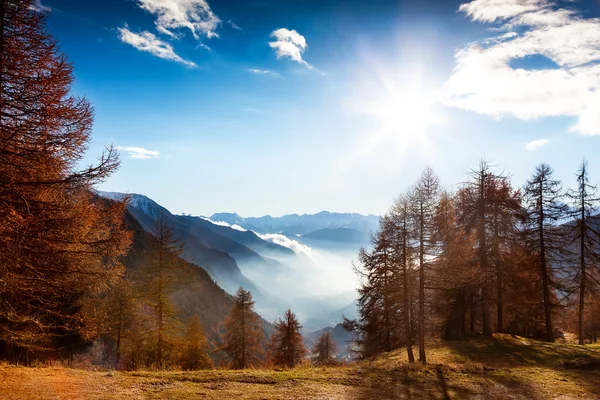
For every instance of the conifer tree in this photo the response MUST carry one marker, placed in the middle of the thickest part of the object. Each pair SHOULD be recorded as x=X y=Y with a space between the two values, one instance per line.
x=158 y=280
x=286 y=346
x=545 y=208
x=586 y=236
x=119 y=314
x=194 y=347
x=59 y=244
x=424 y=200
x=324 y=350
x=241 y=341
x=400 y=214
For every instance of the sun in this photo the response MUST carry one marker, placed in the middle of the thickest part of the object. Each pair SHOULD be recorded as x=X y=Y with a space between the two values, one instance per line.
x=401 y=108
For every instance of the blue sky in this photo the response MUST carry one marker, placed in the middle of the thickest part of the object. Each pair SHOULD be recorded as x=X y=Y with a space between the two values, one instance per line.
x=274 y=107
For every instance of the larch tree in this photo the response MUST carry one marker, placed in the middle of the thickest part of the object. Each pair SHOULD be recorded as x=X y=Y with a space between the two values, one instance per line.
x=60 y=245
x=286 y=346
x=119 y=309
x=425 y=196
x=453 y=272
x=194 y=347
x=545 y=209
x=585 y=234
x=401 y=217
x=157 y=281
x=481 y=203
x=241 y=343
x=324 y=350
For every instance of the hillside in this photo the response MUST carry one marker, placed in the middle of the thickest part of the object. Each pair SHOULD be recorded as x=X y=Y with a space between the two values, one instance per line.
x=503 y=367
x=198 y=294
x=204 y=246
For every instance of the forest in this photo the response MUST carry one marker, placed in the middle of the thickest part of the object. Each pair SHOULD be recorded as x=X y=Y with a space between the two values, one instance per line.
x=82 y=282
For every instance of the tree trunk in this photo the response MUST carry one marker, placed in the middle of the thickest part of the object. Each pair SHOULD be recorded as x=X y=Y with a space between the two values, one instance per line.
x=545 y=284
x=422 y=356
x=405 y=303
x=583 y=275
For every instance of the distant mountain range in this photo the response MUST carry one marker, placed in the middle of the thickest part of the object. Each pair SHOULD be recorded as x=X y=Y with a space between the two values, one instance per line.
x=295 y=224
x=256 y=253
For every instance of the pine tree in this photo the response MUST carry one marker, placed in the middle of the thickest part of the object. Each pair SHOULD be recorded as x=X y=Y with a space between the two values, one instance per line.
x=324 y=350
x=194 y=347
x=158 y=279
x=586 y=236
x=60 y=245
x=286 y=346
x=241 y=341
x=545 y=207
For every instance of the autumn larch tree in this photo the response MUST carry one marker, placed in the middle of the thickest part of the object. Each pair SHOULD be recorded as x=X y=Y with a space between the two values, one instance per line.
x=286 y=347
x=194 y=347
x=241 y=341
x=424 y=200
x=400 y=215
x=586 y=235
x=158 y=279
x=60 y=245
x=545 y=209
x=324 y=350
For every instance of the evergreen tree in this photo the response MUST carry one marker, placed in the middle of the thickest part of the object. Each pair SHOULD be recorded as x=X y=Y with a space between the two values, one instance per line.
x=241 y=342
x=60 y=246
x=545 y=208
x=194 y=347
x=324 y=350
x=286 y=347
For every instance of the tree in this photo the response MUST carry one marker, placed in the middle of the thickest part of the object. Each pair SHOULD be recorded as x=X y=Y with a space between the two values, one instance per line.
x=586 y=235
x=119 y=313
x=60 y=245
x=241 y=342
x=424 y=200
x=543 y=196
x=483 y=202
x=324 y=350
x=158 y=279
x=401 y=216
x=453 y=271
x=194 y=347
x=287 y=347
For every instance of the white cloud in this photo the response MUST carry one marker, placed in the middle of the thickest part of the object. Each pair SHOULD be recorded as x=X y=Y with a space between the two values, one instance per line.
x=194 y=15
x=536 y=144
x=268 y=72
x=289 y=44
x=234 y=26
x=484 y=80
x=139 y=153
x=146 y=41
x=284 y=241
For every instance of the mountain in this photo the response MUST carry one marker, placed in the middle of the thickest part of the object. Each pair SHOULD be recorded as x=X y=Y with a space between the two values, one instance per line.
x=295 y=224
x=218 y=254
x=336 y=238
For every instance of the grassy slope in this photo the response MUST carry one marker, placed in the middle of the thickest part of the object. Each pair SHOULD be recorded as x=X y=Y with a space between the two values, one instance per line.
x=504 y=367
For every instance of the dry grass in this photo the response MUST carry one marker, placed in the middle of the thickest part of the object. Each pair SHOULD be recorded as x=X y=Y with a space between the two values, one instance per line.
x=504 y=367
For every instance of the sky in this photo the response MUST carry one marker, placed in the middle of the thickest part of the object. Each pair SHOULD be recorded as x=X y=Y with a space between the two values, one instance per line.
x=274 y=107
